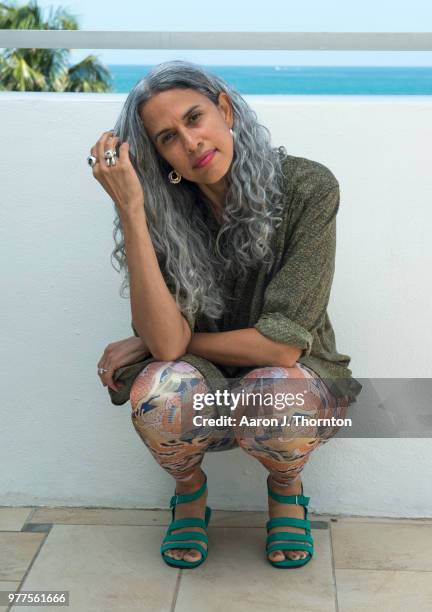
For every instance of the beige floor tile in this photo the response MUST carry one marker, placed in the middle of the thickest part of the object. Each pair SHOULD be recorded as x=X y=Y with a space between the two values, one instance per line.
x=12 y=519
x=237 y=576
x=101 y=516
x=17 y=550
x=382 y=546
x=383 y=591
x=7 y=586
x=104 y=568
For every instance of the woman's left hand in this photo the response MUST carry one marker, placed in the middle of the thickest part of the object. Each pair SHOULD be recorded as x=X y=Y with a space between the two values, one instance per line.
x=118 y=354
x=119 y=181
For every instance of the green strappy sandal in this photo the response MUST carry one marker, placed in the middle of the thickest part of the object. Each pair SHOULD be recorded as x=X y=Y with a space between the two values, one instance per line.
x=183 y=539
x=293 y=541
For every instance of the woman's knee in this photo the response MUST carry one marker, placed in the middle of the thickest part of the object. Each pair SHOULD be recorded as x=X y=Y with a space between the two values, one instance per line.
x=282 y=399
x=165 y=386
x=279 y=389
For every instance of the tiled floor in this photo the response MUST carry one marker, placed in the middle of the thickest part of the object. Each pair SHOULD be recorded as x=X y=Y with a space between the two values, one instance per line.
x=110 y=560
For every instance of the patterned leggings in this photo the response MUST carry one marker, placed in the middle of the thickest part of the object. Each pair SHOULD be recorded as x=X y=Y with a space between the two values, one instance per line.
x=163 y=408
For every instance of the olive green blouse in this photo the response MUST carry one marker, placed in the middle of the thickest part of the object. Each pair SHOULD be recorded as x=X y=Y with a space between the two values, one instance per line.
x=288 y=303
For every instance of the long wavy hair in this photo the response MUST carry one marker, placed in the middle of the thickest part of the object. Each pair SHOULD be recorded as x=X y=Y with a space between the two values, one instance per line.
x=193 y=261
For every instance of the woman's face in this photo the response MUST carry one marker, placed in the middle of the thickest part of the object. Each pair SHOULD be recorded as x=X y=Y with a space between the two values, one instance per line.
x=183 y=125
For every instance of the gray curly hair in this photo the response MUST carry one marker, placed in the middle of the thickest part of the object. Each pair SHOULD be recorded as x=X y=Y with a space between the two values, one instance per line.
x=194 y=263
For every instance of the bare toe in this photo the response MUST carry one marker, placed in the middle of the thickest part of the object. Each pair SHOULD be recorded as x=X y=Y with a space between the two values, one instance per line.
x=192 y=555
x=296 y=554
x=276 y=555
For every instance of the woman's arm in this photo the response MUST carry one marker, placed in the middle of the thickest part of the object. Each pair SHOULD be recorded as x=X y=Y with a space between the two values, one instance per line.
x=243 y=347
x=158 y=320
x=155 y=313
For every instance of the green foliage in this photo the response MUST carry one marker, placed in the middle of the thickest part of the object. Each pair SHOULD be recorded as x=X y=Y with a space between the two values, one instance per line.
x=46 y=69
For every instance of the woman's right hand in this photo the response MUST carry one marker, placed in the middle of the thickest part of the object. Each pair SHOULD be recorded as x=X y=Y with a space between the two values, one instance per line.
x=118 y=354
x=120 y=181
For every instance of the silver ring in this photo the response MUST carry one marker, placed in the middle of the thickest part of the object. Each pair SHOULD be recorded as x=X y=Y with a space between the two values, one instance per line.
x=101 y=370
x=92 y=160
x=111 y=161
x=110 y=153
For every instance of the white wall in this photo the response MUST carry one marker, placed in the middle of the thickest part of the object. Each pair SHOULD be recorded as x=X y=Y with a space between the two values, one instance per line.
x=64 y=443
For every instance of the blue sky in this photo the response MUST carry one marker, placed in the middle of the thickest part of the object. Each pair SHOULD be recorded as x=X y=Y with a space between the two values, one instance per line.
x=254 y=15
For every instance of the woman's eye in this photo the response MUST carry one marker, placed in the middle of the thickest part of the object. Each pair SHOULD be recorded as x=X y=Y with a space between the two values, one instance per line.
x=166 y=138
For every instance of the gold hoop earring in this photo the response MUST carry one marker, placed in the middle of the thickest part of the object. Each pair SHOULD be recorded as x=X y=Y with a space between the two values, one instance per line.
x=177 y=179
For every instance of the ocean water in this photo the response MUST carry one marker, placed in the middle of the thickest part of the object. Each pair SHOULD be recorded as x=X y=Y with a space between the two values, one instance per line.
x=303 y=80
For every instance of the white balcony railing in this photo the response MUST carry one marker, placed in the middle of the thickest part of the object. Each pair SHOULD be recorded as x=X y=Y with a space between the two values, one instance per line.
x=324 y=41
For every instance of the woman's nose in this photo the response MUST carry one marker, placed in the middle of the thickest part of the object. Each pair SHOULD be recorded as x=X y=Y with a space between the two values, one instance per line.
x=191 y=142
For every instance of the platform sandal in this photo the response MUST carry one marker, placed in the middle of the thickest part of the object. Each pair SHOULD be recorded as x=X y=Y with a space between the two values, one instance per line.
x=292 y=541
x=183 y=539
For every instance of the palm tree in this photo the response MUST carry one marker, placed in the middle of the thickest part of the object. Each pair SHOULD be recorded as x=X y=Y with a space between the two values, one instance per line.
x=46 y=69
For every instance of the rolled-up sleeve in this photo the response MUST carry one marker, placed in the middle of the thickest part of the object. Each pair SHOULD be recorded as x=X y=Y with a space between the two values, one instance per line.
x=296 y=298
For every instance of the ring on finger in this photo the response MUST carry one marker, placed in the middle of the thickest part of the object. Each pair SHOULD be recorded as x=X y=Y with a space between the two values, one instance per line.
x=110 y=153
x=102 y=370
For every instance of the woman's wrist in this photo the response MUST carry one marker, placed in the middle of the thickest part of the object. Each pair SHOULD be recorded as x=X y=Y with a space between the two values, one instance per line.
x=140 y=344
x=132 y=212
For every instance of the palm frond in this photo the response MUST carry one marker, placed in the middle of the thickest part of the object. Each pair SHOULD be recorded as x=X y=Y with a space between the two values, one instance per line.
x=46 y=69
x=89 y=75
